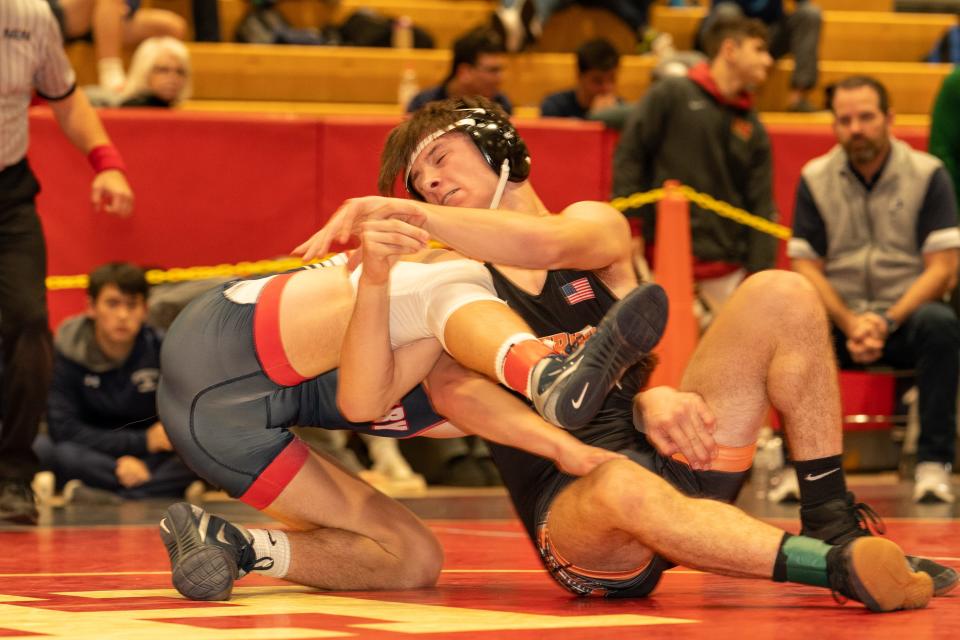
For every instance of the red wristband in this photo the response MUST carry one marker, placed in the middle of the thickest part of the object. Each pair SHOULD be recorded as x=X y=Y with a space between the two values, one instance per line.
x=106 y=157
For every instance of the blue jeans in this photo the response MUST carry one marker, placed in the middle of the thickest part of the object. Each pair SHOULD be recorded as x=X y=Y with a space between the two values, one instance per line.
x=169 y=477
x=929 y=342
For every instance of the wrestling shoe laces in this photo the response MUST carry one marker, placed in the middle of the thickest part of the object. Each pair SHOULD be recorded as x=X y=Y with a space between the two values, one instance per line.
x=874 y=571
x=207 y=553
x=570 y=391
x=842 y=520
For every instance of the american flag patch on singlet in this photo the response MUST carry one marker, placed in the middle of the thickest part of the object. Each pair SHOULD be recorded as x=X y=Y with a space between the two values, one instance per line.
x=577 y=291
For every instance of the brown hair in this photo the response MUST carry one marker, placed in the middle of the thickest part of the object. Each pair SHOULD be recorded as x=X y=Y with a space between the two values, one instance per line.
x=405 y=137
x=737 y=28
x=856 y=82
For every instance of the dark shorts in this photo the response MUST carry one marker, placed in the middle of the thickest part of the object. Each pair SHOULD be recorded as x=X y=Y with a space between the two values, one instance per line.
x=57 y=8
x=228 y=417
x=723 y=486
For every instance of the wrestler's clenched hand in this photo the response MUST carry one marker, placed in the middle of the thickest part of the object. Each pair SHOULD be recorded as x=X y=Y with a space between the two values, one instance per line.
x=383 y=242
x=349 y=218
x=677 y=422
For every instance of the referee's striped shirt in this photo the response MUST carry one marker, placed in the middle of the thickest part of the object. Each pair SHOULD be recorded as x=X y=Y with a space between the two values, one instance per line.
x=31 y=56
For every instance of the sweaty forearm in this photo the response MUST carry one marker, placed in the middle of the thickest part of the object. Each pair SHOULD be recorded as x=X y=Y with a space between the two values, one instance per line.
x=366 y=357
x=501 y=237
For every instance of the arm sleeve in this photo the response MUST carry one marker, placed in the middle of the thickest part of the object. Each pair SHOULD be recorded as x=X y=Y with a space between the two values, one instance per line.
x=54 y=77
x=945 y=127
x=761 y=247
x=65 y=417
x=809 y=239
x=937 y=218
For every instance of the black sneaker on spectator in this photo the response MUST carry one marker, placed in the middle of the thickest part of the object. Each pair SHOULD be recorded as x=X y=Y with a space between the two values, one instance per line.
x=17 y=503
x=76 y=492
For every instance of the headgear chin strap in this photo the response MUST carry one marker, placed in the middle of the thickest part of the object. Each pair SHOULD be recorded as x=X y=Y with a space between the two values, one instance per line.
x=497 y=141
x=501 y=184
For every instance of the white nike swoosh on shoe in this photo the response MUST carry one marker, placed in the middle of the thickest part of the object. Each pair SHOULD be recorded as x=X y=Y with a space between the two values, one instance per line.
x=220 y=536
x=163 y=525
x=579 y=401
x=813 y=478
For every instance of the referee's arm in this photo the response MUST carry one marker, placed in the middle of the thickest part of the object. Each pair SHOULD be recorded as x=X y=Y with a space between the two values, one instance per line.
x=110 y=191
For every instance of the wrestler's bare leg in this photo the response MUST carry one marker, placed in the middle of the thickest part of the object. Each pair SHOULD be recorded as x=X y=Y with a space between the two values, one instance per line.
x=346 y=535
x=781 y=356
x=774 y=336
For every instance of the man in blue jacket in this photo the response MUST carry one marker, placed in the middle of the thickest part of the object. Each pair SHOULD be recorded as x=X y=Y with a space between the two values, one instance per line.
x=102 y=415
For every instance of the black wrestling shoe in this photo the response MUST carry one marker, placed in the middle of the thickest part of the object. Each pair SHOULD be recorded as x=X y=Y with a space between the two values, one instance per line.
x=207 y=553
x=841 y=520
x=17 y=502
x=874 y=571
x=570 y=391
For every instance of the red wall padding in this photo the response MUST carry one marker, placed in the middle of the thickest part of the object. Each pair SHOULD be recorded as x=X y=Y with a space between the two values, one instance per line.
x=214 y=188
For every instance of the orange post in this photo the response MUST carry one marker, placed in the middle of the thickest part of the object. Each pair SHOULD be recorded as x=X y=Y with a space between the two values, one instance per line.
x=673 y=262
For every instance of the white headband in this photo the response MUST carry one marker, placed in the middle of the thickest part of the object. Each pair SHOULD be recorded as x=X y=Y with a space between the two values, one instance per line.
x=464 y=122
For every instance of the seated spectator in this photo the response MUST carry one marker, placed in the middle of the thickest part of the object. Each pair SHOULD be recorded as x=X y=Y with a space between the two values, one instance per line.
x=520 y=22
x=101 y=413
x=159 y=76
x=703 y=130
x=597 y=66
x=112 y=25
x=875 y=232
x=797 y=33
x=479 y=62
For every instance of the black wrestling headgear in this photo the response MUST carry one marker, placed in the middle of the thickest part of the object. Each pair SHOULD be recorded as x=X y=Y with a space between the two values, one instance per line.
x=495 y=137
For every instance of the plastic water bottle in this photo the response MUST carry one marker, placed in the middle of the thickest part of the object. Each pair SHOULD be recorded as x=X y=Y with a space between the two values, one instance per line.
x=408 y=86
x=402 y=33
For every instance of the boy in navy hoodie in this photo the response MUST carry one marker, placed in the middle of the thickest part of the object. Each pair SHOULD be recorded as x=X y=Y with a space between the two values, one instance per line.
x=103 y=426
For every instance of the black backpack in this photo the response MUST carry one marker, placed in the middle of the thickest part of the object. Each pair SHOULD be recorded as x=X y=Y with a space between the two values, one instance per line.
x=266 y=25
x=366 y=28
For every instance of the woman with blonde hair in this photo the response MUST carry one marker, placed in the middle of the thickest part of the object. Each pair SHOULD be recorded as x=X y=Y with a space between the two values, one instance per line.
x=160 y=74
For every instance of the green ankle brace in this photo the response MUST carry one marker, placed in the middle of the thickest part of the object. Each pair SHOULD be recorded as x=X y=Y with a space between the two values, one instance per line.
x=806 y=560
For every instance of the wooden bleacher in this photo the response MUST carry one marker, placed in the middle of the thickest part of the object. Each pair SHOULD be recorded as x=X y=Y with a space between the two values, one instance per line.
x=320 y=80
x=361 y=75
x=866 y=33
x=846 y=35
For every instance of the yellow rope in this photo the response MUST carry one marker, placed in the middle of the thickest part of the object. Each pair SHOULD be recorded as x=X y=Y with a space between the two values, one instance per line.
x=708 y=203
x=244 y=269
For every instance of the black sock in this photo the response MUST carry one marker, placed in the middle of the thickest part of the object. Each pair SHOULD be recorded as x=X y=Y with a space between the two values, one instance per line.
x=821 y=480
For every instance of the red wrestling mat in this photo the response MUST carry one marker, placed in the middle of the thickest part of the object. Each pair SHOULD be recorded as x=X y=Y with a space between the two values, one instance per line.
x=97 y=583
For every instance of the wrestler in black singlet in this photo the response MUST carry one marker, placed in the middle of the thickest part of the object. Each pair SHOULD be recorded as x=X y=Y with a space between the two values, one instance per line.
x=534 y=482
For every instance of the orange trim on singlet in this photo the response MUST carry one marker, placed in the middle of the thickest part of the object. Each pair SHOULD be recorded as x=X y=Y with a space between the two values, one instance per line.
x=278 y=474
x=266 y=334
x=731 y=459
x=611 y=576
